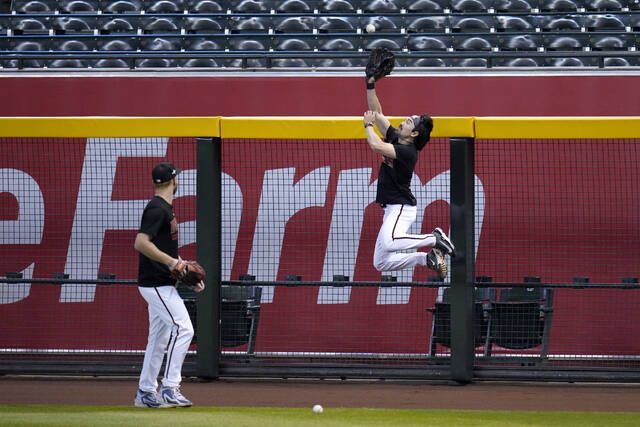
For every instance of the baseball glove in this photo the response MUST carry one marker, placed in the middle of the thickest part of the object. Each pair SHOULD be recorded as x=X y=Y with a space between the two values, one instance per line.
x=381 y=63
x=189 y=274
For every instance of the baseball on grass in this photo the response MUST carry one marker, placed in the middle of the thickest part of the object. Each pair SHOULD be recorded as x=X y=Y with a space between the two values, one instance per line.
x=317 y=409
x=370 y=28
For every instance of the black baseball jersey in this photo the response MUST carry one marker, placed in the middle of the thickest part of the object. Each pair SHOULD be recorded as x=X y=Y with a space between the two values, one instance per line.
x=159 y=223
x=394 y=177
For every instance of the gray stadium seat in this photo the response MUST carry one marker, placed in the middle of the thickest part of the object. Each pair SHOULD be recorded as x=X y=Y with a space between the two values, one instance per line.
x=200 y=63
x=566 y=62
x=254 y=43
x=519 y=62
x=391 y=43
x=519 y=42
x=121 y=24
x=297 y=24
x=471 y=62
x=429 y=24
x=200 y=25
x=515 y=5
x=342 y=24
x=206 y=6
x=73 y=45
x=117 y=44
x=475 y=43
x=34 y=6
x=604 y=5
x=616 y=62
x=253 y=24
x=611 y=42
x=294 y=44
x=339 y=62
x=161 y=43
x=429 y=43
x=111 y=63
x=470 y=6
x=336 y=6
x=427 y=6
x=605 y=23
x=295 y=6
x=164 y=6
x=123 y=6
x=383 y=23
x=68 y=63
x=381 y=6
x=249 y=6
x=341 y=43
x=514 y=24
x=209 y=43
x=30 y=25
x=480 y=24
x=427 y=62
x=79 y=6
x=154 y=63
x=559 y=6
x=567 y=23
x=565 y=43
x=30 y=46
x=289 y=63
x=160 y=25
x=74 y=24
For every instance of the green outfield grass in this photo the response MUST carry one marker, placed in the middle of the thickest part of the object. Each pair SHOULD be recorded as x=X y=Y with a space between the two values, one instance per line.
x=13 y=415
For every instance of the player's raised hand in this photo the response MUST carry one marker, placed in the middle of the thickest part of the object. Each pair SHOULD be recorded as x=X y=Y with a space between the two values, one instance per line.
x=369 y=117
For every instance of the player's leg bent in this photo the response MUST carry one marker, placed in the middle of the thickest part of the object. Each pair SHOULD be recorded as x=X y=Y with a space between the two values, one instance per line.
x=443 y=242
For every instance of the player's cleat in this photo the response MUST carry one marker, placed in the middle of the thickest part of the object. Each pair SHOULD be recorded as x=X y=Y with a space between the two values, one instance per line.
x=149 y=399
x=435 y=261
x=173 y=397
x=443 y=243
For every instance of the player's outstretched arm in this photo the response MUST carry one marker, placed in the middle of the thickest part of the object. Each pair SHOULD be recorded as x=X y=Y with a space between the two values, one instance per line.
x=374 y=105
x=374 y=141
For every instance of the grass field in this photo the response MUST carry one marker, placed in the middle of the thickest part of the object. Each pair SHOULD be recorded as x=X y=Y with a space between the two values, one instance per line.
x=27 y=415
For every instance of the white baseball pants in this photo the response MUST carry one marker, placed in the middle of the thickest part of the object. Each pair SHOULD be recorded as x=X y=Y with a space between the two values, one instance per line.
x=170 y=330
x=393 y=237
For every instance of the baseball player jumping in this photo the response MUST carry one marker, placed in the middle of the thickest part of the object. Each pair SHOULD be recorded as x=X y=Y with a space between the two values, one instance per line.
x=400 y=149
x=170 y=328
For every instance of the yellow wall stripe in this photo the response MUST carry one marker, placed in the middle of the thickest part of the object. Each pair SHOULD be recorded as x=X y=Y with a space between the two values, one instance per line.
x=109 y=126
x=326 y=127
x=556 y=127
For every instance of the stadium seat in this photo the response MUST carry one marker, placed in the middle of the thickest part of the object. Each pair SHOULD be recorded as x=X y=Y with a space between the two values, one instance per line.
x=161 y=43
x=475 y=43
x=429 y=43
x=470 y=6
x=426 y=62
x=519 y=62
x=471 y=62
x=249 y=6
x=68 y=63
x=154 y=63
x=391 y=43
x=567 y=23
x=199 y=43
x=289 y=63
x=388 y=24
x=200 y=25
x=295 y=6
x=298 y=24
x=462 y=24
x=164 y=6
x=616 y=62
x=336 y=6
x=338 y=62
x=514 y=24
x=30 y=46
x=611 y=42
x=74 y=24
x=605 y=23
x=200 y=63
x=123 y=6
x=160 y=25
x=110 y=63
x=33 y=6
x=565 y=43
x=567 y=62
x=30 y=25
x=254 y=24
x=79 y=6
x=381 y=6
x=341 y=43
x=559 y=6
x=604 y=5
x=515 y=5
x=243 y=43
x=74 y=45
x=427 y=6
x=294 y=44
x=122 y=24
x=429 y=24
x=117 y=44
x=206 y=6
x=343 y=24
x=519 y=42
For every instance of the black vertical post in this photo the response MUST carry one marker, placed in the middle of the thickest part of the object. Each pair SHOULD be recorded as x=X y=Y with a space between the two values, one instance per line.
x=209 y=242
x=462 y=266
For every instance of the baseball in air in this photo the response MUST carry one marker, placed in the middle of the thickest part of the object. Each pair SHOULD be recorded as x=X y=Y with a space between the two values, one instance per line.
x=370 y=28
x=317 y=409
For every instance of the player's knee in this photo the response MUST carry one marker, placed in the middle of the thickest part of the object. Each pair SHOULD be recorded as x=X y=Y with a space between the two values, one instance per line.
x=379 y=264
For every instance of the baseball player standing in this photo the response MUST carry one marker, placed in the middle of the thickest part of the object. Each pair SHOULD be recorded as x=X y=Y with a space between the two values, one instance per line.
x=400 y=149
x=170 y=327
